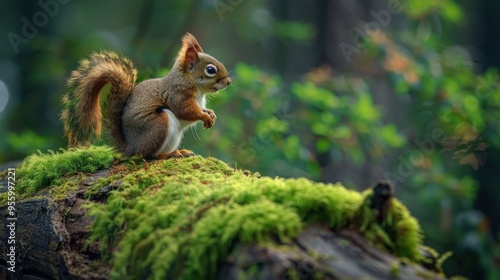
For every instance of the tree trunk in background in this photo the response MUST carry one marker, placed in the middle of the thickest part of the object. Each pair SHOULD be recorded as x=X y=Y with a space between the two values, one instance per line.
x=335 y=21
x=489 y=46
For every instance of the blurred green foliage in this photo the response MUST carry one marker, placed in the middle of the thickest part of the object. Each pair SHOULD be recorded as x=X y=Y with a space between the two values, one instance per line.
x=22 y=143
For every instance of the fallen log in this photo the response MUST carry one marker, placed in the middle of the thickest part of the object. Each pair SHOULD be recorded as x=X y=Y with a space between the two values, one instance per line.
x=90 y=214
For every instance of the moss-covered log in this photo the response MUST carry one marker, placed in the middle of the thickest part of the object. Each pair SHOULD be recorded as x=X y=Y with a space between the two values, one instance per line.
x=91 y=214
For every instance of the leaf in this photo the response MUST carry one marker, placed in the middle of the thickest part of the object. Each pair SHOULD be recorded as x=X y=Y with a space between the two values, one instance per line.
x=292 y=147
x=294 y=30
x=322 y=145
x=391 y=136
x=364 y=108
x=342 y=133
x=317 y=96
x=452 y=12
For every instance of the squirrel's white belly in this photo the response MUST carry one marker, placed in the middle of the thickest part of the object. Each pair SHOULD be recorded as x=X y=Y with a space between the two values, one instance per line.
x=176 y=128
x=175 y=133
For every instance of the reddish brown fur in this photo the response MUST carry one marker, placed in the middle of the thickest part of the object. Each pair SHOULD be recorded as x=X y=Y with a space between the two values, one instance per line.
x=82 y=114
x=91 y=117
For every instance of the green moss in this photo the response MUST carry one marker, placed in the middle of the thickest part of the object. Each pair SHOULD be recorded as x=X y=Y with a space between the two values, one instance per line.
x=407 y=233
x=395 y=269
x=293 y=274
x=61 y=173
x=69 y=185
x=3 y=198
x=43 y=170
x=178 y=218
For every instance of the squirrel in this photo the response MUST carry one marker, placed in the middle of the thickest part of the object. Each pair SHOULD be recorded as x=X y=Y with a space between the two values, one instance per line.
x=147 y=119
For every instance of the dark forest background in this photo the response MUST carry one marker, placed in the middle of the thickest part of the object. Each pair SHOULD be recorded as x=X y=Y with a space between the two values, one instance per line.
x=347 y=90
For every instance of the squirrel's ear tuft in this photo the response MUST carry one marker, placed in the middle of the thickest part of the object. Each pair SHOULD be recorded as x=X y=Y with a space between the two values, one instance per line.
x=190 y=40
x=190 y=49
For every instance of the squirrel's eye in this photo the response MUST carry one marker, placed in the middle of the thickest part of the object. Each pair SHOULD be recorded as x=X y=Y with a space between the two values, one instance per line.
x=211 y=70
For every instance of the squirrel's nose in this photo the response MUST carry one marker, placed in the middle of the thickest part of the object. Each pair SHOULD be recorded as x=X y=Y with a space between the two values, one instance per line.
x=229 y=81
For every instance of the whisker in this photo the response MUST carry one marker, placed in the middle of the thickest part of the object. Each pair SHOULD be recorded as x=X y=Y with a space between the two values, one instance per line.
x=234 y=83
x=194 y=130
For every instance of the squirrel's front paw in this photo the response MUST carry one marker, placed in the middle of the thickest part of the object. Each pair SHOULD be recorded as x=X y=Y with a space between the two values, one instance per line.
x=211 y=113
x=207 y=121
x=212 y=116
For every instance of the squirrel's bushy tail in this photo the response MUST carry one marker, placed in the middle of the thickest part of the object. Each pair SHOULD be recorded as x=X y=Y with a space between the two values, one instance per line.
x=81 y=112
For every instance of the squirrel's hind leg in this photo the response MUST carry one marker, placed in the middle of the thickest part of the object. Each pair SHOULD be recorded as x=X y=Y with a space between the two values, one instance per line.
x=147 y=139
x=158 y=138
x=173 y=139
